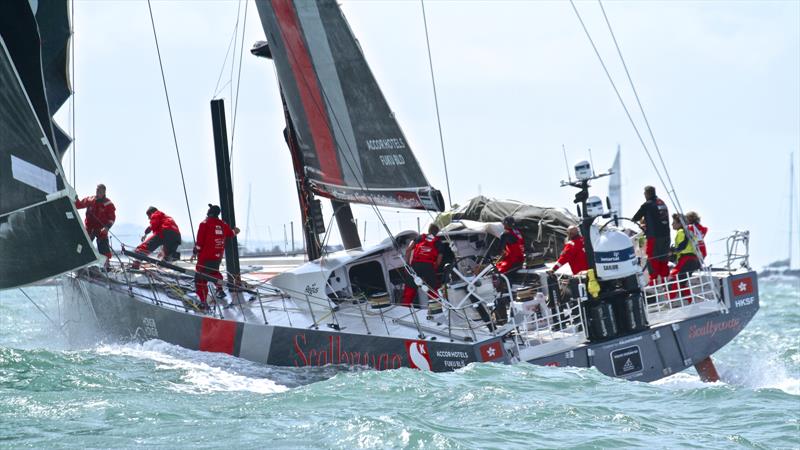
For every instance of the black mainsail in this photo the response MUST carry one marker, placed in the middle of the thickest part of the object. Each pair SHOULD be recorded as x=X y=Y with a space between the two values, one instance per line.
x=351 y=147
x=41 y=234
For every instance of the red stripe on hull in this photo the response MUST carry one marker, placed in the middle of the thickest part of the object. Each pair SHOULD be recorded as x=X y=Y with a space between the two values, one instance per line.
x=217 y=335
x=310 y=93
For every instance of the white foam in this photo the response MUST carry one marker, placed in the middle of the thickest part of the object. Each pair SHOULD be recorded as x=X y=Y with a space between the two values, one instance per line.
x=683 y=380
x=201 y=370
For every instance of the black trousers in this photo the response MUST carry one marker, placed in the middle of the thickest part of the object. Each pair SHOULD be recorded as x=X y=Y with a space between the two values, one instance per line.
x=169 y=239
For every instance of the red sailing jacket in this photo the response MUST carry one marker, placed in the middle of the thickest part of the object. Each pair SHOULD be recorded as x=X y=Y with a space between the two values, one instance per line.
x=99 y=213
x=699 y=233
x=211 y=236
x=514 y=250
x=573 y=254
x=160 y=222
x=426 y=250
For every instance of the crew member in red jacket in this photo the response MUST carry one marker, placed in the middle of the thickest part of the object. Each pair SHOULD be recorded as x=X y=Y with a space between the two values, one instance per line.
x=698 y=231
x=574 y=252
x=100 y=217
x=513 y=244
x=209 y=248
x=425 y=254
x=165 y=234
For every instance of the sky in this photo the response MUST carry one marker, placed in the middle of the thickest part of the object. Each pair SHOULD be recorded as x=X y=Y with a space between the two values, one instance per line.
x=516 y=81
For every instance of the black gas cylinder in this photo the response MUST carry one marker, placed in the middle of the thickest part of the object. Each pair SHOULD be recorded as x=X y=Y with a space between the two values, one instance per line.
x=601 y=322
x=629 y=312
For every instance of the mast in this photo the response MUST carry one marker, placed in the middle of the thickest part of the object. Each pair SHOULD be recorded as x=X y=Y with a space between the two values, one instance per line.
x=347 y=226
x=225 y=186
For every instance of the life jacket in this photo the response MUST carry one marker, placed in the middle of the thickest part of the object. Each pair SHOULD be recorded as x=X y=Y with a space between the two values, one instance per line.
x=515 y=251
x=680 y=236
x=211 y=236
x=426 y=250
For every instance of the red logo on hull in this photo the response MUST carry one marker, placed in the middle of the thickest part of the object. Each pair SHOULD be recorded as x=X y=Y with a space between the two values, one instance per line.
x=418 y=355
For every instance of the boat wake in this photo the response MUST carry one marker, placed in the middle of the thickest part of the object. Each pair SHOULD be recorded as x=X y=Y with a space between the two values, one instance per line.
x=201 y=372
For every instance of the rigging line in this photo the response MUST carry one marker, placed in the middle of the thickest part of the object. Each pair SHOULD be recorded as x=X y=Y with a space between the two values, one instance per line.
x=619 y=97
x=238 y=84
x=436 y=102
x=677 y=204
x=171 y=121
x=217 y=89
x=41 y=311
x=235 y=39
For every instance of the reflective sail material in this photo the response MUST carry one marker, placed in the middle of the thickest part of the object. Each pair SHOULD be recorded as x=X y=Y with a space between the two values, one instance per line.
x=41 y=234
x=351 y=146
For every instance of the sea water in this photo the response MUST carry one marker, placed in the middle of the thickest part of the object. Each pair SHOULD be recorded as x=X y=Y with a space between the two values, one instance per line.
x=157 y=395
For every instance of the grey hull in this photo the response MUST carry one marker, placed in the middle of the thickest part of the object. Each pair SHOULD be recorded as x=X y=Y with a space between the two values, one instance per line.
x=645 y=356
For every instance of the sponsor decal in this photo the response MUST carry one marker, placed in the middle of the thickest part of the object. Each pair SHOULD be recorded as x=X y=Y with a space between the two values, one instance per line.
x=452 y=359
x=492 y=351
x=311 y=289
x=553 y=364
x=333 y=352
x=747 y=301
x=149 y=327
x=742 y=286
x=626 y=361
x=712 y=327
x=614 y=256
x=392 y=160
x=418 y=356
x=386 y=144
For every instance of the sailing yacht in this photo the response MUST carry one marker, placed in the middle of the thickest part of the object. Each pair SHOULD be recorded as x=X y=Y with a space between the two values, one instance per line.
x=783 y=268
x=343 y=308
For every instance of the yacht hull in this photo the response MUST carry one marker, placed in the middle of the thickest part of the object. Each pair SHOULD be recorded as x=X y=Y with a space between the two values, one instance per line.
x=645 y=356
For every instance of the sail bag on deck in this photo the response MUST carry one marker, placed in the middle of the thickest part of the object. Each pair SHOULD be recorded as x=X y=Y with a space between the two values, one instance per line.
x=40 y=232
x=350 y=145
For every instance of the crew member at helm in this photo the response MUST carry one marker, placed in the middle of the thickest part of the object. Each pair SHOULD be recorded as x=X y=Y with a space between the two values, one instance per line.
x=513 y=244
x=573 y=254
x=656 y=217
x=209 y=248
x=425 y=255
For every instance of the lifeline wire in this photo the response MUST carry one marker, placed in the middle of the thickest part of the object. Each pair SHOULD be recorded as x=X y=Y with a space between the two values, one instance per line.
x=641 y=109
x=171 y=122
x=622 y=102
x=436 y=102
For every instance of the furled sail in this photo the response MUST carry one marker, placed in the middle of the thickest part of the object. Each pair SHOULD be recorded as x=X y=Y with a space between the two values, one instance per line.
x=40 y=232
x=351 y=146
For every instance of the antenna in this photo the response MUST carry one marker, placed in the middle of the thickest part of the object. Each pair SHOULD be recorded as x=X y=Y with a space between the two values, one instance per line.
x=566 y=164
x=591 y=161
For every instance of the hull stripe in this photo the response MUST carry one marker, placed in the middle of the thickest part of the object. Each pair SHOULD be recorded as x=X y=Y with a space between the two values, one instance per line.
x=217 y=335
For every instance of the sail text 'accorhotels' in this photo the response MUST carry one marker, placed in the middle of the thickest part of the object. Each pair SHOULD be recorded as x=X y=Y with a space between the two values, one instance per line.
x=386 y=144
